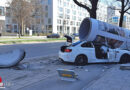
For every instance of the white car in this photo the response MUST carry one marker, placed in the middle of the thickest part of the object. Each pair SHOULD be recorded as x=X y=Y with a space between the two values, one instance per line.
x=83 y=52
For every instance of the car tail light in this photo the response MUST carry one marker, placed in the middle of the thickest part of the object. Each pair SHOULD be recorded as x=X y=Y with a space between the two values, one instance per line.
x=68 y=50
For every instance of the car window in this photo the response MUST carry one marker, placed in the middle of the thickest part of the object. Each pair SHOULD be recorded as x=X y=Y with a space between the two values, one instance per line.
x=86 y=44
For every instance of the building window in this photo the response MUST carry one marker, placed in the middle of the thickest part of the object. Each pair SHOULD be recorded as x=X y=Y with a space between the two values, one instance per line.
x=74 y=12
x=9 y=28
x=68 y=11
x=49 y=27
x=115 y=19
x=60 y=15
x=60 y=9
x=46 y=15
x=15 y=28
x=74 y=17
x=64 y=4
x=46 y=8
x=67 y=16
x=59 y=21
x=8 y=12
x=49 y=21
x=68 y=30
x=49 y=1
x=1 y=11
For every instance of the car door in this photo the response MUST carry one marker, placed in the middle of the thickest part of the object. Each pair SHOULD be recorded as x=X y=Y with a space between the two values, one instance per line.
x=88 y=50
x=112 y=55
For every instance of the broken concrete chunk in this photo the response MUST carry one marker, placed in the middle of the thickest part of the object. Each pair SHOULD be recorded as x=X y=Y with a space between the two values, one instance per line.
x=11 y=58
x=125 y=66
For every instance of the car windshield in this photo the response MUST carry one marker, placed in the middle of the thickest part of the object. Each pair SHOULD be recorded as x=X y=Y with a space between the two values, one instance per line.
x=76 y=43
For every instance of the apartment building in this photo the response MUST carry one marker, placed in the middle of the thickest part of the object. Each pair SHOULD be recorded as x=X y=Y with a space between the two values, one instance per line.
x=64 y=16
x=2 y=15
x=115 y=19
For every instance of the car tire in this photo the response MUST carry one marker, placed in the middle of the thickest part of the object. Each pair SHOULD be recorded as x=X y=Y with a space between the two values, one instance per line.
x=81 y=60
x=124 y=58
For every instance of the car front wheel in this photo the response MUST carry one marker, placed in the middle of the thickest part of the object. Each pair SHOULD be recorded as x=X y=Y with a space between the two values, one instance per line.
x=81 y=60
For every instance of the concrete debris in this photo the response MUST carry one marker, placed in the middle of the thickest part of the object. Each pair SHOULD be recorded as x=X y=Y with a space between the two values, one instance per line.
x=106 y=67
x=79 y=67
x=21 y=66
x=125 y=66
x=103 y=70
x=86 y=70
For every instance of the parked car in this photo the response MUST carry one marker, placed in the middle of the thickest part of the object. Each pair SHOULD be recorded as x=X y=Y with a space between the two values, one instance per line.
x=53 y=36
x=76 y=34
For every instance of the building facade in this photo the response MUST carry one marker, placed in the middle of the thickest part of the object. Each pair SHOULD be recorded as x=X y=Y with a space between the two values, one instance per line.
x=61 y=16
x=2 y=15
x=115 y=19
x=64 y=16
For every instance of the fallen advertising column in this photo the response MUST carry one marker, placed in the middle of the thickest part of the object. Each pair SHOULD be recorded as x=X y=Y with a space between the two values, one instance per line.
x=102 y=32
x=11 y=58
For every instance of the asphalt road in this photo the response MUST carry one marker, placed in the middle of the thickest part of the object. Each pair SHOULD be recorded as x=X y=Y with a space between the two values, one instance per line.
x=87 y=76
x=35 y=50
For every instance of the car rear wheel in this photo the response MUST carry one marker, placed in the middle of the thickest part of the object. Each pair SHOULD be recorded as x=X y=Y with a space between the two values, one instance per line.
x=81 y=60
x=124 y=58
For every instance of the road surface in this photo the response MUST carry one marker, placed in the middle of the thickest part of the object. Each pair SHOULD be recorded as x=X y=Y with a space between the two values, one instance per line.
x=35 y=50
x=87 y=76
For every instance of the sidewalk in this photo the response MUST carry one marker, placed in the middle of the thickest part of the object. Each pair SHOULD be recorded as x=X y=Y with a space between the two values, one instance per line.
x=29 y=72
x=114 y=79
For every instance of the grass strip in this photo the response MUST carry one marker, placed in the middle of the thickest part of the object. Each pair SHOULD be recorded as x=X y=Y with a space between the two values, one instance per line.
x=18 y=41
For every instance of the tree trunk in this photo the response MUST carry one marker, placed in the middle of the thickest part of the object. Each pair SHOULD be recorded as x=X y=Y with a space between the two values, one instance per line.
x=121 y=19
x=19 y=31
x=93 y=14
x=93 y=9
x=22 y=28
x=122 y=13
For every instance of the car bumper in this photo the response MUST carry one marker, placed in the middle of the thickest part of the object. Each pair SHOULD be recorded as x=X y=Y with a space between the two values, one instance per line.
x=66 y=57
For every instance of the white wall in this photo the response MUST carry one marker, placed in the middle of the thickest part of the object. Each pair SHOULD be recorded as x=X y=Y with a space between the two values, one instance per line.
x=54 y=17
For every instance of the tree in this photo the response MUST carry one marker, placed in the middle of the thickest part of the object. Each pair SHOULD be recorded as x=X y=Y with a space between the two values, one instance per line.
x=91 y=9
x=37 y=14
x=20 y=11
x=26 y=13
x=124 y=8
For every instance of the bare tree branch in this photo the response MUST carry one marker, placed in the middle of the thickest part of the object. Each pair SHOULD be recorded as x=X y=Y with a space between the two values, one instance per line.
x=128 y=13
x=92 y=10
x=113 y=8
x=81 y=5
x=127 y=3
x=127 y=9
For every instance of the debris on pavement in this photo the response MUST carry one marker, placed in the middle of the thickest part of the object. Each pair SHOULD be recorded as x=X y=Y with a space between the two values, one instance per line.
x=125 y=66
x=11 y=58
x=67 y=75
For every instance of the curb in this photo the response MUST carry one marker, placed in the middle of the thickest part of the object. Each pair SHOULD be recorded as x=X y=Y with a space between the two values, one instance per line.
x=33 y=42
x=125 y=66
